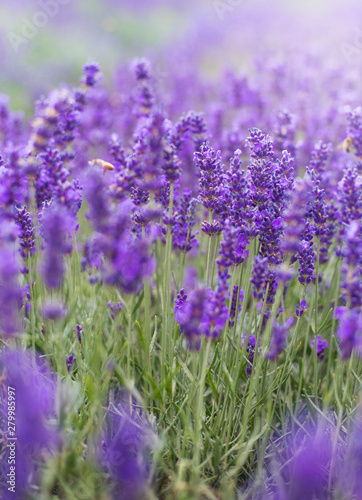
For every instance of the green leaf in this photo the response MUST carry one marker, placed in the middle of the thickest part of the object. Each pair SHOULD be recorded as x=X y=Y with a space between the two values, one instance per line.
x=212 y=385
x=141 y=335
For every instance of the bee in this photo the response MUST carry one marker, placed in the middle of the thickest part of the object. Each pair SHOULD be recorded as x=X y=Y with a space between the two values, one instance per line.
x=50 y=114
x=347 y=144
x=104 y=164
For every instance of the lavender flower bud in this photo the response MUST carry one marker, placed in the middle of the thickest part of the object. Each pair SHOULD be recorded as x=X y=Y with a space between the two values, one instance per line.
x=321 y=346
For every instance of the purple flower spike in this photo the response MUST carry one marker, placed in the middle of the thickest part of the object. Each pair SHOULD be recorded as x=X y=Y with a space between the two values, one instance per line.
x=124 y=448
x=354 y=129
x=144 y=95
x=26 y=235
x=70 y=362
x=309 y=466
x=10 y=291
x=306 y=258
x=279 y=338
x=115 y=308
x=233 y=305
x=182 y=236
x=194 y=315
x=212 y=228
x=26 y=299
x=53 y=310
x=299 y=310
x=91 y=74
x=32 y=385
x=180 y=300
x=211 y=183
x=321 y=346
x=79 y=333
x=57 y=224
x=259 y=277
x=350 y=333
x=250 y=351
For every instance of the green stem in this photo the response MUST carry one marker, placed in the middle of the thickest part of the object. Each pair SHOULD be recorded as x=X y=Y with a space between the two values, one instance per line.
x=130 y=339
x=198 y=414
x=147 y=319
x=208 y=254
x=316 y=323
x=166 y=340
x=214 y=260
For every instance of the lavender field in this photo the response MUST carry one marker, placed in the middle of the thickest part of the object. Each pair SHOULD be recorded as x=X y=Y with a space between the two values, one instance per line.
x=180 y=250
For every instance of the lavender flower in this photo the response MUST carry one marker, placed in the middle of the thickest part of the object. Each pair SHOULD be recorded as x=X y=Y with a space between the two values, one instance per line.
x=139 y=196
x=350 y=195
x=91 y=74
x=294 y=216
x=198 y=128
x=213 y=228
x=124 y=449
x=317 y=207
x=193 y=315
x=79 y=333
x=354 y=130
x=34 y=388
x=234 y=300
x=321 y=346
x=53 y=310
x=219 y=313
x=10 y=291
x=271 y=230
x=284 y=273
x=211 y=182
x=117 y=152
x=319 y=158
x=306 y=258
x=180 y=300
x=146 y=215
x=350 y=481
x=284 y=132
x=279 y=338
x=261 y=165
x=144 y=95
x=26 y=299
x=309 y=458
x=70 y=362
x=115 y=309
x=183 y=237
x=259 y=277
x=350 y=333
x=351 y=282
x=126 y=260
x=250 y=351
x=57 y=225
x=26 y=235
x=299 y=309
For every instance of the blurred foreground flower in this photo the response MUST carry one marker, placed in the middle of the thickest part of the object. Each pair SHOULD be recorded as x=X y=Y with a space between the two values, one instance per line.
x=29 y=380
x=124 y=449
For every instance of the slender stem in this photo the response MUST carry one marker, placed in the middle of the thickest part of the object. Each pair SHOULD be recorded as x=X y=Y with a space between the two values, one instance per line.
x=198 y=414
x=166 y=342
x=182 y=263
x=316 y=322
x=332 y=330
x=214 y=260
x=208 y=254
x=130 y=339
x=147 y=320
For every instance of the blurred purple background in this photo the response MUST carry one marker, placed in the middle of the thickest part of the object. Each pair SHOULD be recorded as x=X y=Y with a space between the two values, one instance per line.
x=45 y=42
